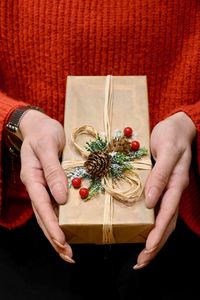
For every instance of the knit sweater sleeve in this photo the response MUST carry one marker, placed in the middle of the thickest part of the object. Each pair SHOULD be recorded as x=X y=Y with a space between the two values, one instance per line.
x=13 y=213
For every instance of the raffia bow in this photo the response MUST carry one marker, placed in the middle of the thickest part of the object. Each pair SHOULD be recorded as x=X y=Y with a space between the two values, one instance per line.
x=113 y=190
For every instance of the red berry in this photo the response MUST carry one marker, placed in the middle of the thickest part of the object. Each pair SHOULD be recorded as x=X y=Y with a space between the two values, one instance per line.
x=128 y=131
x=76 y=182
x=84 y=192
x=135 y=145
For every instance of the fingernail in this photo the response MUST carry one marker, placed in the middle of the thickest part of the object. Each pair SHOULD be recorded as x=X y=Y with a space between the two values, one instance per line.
x=59 y=244
x=148 y=251
x=139 y=266
x=66 y=247
x=153 y=194
x=67 y=258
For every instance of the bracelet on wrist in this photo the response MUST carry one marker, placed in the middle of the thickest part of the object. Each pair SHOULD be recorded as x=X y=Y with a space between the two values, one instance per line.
x=13 y=136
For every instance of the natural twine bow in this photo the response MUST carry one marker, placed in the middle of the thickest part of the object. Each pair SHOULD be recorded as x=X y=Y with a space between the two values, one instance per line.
x=112 y=189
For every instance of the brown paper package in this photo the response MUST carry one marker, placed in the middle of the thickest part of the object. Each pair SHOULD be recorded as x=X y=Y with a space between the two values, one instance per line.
x=82 y=221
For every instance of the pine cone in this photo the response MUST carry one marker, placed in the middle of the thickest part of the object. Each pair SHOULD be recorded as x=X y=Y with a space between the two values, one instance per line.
x=120 y=144
x=97 y=163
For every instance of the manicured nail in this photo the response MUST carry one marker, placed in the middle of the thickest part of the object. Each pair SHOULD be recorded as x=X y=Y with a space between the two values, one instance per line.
x=65 y=247
x=149 y=251
x=59 y=244
x=139 y=266
x=67 y=258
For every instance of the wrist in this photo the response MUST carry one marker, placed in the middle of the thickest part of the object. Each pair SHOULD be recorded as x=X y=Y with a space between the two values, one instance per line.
x=29 y=119
x=186 y=124
x=12 y=133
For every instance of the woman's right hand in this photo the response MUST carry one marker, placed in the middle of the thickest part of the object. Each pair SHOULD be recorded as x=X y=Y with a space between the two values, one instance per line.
x=43 y=176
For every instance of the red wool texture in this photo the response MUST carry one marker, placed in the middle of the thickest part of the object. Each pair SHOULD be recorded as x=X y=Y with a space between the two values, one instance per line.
x=41 y=43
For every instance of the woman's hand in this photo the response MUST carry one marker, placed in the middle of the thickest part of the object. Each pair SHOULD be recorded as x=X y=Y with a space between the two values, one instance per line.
x=171 y=142
x=43 y=175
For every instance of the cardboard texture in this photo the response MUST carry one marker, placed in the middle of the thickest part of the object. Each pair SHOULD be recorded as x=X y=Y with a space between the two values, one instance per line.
x=82 y=221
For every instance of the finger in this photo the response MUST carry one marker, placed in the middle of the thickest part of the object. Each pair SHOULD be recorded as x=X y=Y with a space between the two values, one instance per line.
x=166 y=212
x=56 y=244
x=146 y=256
x=167 y=215
x=53 y=172
x=169 y=204
x=42 y=204
x=64 y=250
x=171 y=199
x=32 y=177
x=159 y=177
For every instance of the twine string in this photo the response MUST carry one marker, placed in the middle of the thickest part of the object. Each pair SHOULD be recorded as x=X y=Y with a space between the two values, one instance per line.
x=107 y=229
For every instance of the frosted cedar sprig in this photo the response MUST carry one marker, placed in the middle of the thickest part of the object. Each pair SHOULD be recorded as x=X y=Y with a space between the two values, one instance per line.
x=94 y=187
x=119 y=164
x=78 y=172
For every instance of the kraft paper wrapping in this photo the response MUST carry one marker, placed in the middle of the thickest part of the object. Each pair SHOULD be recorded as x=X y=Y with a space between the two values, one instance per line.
x=82 y=221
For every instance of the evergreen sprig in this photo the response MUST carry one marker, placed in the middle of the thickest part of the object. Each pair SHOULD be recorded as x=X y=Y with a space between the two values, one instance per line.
x=98 y=144
x=94 y=188
x=120 y=158
x=117 y=170
x=120 y=162
x=138 y=154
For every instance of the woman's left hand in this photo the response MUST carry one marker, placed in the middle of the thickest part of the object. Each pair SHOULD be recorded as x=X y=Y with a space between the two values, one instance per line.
x=171 y=142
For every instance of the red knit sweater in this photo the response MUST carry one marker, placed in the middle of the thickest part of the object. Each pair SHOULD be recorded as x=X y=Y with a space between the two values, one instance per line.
x=42 y=42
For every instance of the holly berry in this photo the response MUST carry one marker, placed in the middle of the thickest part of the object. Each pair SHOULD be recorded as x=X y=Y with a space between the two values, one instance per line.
x=135 y=145
x=76 y=182
x=84 y=192
x=128 y=131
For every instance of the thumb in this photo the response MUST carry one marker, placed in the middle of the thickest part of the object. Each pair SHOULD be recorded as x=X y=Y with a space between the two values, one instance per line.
x=53 y=171
x=159 y=176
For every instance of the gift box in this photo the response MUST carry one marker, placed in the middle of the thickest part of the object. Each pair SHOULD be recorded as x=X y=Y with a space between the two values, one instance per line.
x=106 y=160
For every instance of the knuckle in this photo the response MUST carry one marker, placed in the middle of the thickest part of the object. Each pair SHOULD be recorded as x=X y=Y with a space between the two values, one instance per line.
x=55 y=139
x=52 y=173
x=175 y=147
x=170 y=146
x=23 y=176
x=43 y=142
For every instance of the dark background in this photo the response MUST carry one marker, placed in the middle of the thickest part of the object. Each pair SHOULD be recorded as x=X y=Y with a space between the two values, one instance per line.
x=30 y=269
